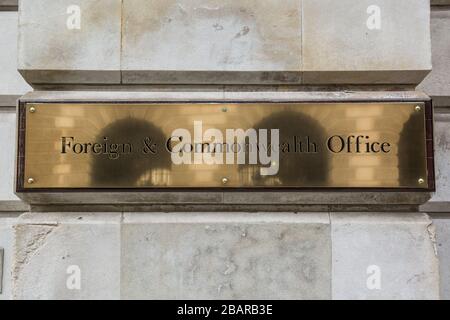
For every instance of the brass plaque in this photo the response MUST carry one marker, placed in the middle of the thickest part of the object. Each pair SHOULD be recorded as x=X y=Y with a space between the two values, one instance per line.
x=223 y=145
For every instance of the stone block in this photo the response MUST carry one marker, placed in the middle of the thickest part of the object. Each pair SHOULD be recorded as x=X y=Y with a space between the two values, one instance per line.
x=366 y=41
x=211 y=41
x=225 y=256
x=7 y=243
x=12 y=85
x=69 y=41
x=329 y=198
x=440 y=201
x=442 y=225
x=437 y=83
x=225 y=42
x=8 y=5
x=442 y=157
x=67 y=256
x=384 y=256
x=7 y=163
x=440 y=2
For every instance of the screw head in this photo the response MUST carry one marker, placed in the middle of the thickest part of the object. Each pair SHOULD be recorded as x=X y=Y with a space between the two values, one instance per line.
x=418 y=108
x=32 y=109
x=224 y=180
x=30 y=180
x=421 y=181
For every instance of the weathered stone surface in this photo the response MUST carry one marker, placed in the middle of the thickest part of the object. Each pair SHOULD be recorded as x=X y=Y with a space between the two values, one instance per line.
x=51 y=52
x=50 y=248
x=6 y=242
x=440 y=2
x=7 y=145
x=8 y=200
x=224 y=94
x=339 y=47
x=441 y=198
x=211 y=41
x=8 y=2
x=401 y=248
x=228 y=198
x=116 y=198
x=8 y=5
x=302 y=95
x=225 y=42
x=346 y=198
x=12 y=85
x=437 y=83
x=442 y=223
x=442 y=154
x=225 y=256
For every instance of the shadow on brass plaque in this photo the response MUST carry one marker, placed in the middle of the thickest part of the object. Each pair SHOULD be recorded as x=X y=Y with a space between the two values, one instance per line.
x=247 y=145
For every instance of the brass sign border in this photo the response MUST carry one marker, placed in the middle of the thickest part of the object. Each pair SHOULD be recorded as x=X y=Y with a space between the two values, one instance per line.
x=20 y=153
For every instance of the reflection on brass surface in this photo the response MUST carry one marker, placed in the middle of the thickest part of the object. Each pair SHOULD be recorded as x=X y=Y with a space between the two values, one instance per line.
x=340 y=145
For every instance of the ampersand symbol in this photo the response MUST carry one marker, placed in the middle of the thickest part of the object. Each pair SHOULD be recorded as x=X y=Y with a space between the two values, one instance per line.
x=149 y=146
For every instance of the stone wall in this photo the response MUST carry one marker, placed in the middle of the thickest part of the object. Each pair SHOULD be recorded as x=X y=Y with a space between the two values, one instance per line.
x=225 y=255
x=220 y=245
x=225 y=42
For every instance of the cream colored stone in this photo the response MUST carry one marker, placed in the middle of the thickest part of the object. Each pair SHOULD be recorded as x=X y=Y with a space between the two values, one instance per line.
x=51 y=52
x=7 y=156
x=7 y=244
x=442 y=224
x=211 y=41
x=53 y=248
x=225 y=256
x=384 y=256
x=440 y=2
x=12 y=85
x=437 y=83
x=339 y=46
x=441 y=198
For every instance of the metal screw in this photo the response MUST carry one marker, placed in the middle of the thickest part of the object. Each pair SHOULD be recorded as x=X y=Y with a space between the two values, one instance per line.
x=224 y=109
x=418 y=108
x=30 y=180
x=32 y=109
x=224 y=180
x=421 y=181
